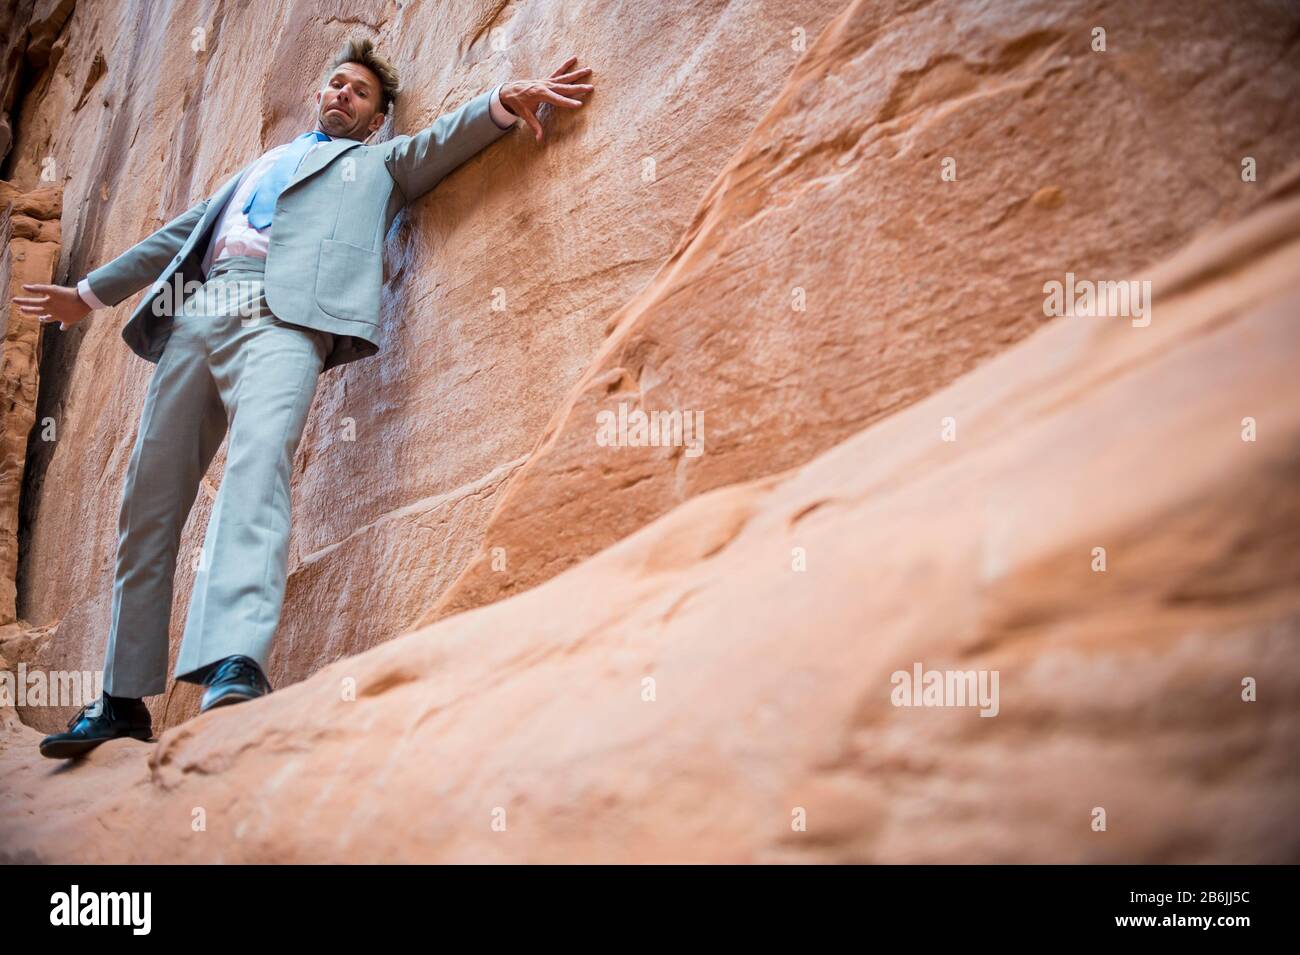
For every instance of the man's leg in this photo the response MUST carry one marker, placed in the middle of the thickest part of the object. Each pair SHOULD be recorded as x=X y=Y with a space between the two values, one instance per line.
x=266 y=372
x=181 y=427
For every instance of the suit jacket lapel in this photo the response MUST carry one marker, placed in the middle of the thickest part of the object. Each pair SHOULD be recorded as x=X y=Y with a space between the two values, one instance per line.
x=318 y=159
x=212 y=214
x=312 y=163
x=219 y=199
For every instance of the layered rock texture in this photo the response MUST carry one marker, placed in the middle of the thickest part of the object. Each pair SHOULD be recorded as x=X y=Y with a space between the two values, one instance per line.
x=29 y=251
x=649 y=654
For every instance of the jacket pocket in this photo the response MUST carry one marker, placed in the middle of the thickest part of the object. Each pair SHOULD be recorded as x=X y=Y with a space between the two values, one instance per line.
x=347 y=281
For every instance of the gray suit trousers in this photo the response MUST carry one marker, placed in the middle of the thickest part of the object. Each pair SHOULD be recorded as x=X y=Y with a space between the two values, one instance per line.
x=229 y=364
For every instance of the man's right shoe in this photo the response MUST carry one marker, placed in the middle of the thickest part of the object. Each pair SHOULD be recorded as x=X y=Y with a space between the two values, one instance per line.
x=106 y=718
x=233 y=680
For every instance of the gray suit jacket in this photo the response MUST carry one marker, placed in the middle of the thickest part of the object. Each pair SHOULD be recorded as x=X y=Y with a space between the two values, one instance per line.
x=324 y=267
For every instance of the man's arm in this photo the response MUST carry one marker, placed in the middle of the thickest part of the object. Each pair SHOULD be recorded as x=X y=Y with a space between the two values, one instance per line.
x=141 y=264
x=118 y=280
x=418 y=163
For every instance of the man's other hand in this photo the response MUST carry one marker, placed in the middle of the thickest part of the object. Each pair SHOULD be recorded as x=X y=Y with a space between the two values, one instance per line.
x=53 y=303
x=523 y=97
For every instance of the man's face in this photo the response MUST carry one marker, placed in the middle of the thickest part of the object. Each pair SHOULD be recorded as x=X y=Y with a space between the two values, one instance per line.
x=347 y=105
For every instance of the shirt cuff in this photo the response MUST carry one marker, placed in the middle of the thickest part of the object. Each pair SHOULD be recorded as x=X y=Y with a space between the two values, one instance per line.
x=87 y=296
x=500 y=115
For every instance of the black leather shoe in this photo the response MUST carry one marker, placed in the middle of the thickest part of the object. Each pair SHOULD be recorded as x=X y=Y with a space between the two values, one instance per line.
x=233 y=680
x=98 y=722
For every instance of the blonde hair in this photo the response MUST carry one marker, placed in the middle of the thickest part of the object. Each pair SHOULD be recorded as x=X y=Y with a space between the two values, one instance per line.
x=361 y=50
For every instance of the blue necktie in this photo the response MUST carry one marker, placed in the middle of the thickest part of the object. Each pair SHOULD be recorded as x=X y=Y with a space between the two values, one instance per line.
x=261 y=204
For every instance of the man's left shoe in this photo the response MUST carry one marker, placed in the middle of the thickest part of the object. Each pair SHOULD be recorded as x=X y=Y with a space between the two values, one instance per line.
x=233 y=680
x=109 y=717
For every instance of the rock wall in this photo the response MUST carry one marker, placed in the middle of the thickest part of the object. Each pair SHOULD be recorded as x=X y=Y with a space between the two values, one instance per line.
x=29 y=251
x=460 y=466
x=833 y=274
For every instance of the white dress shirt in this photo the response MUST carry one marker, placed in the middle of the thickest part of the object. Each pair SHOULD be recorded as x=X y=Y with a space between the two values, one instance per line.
x=235 y=236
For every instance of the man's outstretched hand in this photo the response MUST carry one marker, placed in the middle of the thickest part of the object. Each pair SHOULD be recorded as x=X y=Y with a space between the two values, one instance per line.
x=523 y=97
x=53 y=303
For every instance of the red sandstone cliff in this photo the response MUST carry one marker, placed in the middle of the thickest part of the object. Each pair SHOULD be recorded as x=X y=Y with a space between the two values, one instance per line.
x=666 y=656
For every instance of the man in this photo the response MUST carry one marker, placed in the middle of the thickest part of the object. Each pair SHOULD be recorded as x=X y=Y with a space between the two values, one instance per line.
x=289 y=256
